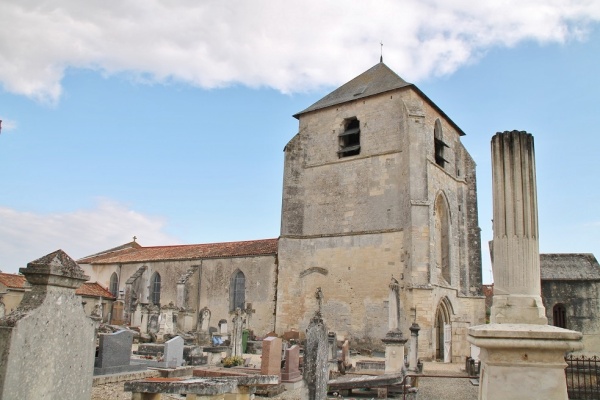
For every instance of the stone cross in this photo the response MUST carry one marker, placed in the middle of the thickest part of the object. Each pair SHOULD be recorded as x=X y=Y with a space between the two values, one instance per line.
x=248 y=311
x=516 y=261
x=319 y=296
x=236 y=335
x=315 y=358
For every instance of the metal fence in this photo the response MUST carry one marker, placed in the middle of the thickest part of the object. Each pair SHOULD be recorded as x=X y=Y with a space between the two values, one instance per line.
x=582 y=377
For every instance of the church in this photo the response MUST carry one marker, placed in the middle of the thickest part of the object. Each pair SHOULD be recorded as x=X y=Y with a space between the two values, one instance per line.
x=377 y=188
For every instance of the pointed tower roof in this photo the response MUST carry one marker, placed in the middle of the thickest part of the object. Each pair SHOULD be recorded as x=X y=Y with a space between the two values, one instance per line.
x=377 y=79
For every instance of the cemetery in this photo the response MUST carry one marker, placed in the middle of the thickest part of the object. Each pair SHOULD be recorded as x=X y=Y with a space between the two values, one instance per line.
x=260 y=318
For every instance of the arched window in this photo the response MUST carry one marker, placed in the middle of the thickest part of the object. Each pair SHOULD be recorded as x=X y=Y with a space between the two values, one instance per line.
x=237 y=291
x=439 y=144
x=442 y=237
x=559 y=315
x=114 y=284
x=155 y=288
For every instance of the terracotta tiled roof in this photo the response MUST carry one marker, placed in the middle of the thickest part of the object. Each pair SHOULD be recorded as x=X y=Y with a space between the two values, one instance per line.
x=94 y=289
x=13 y=281
x=185 y=252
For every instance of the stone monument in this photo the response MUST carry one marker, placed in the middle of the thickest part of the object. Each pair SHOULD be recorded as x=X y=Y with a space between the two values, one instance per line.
x=236 y=335
x=394 y=340
x=47 y=343
x=316 y=354
x=521 y=356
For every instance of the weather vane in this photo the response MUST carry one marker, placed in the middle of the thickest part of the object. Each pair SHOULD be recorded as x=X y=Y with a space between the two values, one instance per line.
x=381 y=57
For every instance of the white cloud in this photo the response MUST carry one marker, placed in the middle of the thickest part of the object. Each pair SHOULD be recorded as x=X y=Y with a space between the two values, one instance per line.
x=291 y=46
x=25 y=236
x=7 y=125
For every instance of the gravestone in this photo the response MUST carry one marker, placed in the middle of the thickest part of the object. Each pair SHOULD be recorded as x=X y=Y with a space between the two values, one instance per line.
x=346 y=362
x=332 y=342
x=153 y=323
x=291 y=369
x=223 y=329
x=114 y=354
x=137 y=316
x=236 y=334
x=117 y=313
x=173 y=356
x=144 y=320
x=271 y=356
x=47 y=343
x=203 y=327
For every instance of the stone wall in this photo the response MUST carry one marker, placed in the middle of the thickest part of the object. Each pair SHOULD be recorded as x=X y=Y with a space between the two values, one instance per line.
x=353 y=272
x=261 y=279
x=582 y=308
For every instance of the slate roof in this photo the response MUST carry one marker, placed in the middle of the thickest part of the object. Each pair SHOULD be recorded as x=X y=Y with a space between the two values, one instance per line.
x=185 y=252
x=569 y=267
x=94 y=289
x=13 y=281
x=377 y=79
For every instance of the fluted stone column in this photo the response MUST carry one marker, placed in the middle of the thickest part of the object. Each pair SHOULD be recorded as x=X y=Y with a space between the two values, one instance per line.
x=516 y=262
x=522 y=358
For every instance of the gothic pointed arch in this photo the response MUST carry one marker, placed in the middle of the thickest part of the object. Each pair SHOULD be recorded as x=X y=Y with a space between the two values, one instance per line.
x=155 y=284
x=237 y=290
x=443 y=330
x=442 y=260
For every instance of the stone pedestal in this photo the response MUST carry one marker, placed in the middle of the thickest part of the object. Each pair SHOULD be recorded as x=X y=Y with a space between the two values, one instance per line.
x=413 y=356
x=523 y=361
x=394 y=352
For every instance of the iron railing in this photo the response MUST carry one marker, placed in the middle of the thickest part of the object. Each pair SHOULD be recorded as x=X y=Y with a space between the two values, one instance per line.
x=582 y=377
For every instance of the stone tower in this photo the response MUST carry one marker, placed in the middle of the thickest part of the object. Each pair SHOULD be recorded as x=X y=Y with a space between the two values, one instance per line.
x=377 y=184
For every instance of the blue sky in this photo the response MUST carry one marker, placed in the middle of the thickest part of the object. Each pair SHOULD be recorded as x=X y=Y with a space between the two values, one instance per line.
x=169 y=124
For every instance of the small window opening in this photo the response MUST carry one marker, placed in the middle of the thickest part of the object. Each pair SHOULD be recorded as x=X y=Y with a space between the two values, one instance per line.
x=439 y=145
x=155 y=288
x=559 y=314
x=237 y=291
x=350 y=139
x=114 y=284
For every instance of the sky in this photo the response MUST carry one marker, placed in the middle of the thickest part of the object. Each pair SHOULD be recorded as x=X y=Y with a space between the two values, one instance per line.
x=167 y=120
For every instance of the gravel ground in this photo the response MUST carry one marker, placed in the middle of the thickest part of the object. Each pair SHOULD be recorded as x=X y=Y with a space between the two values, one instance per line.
x=429 y=388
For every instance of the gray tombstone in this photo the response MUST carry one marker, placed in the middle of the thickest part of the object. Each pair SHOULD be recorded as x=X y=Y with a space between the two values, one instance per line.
x=114 y=349
x=153 y=323
x=174 y=352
